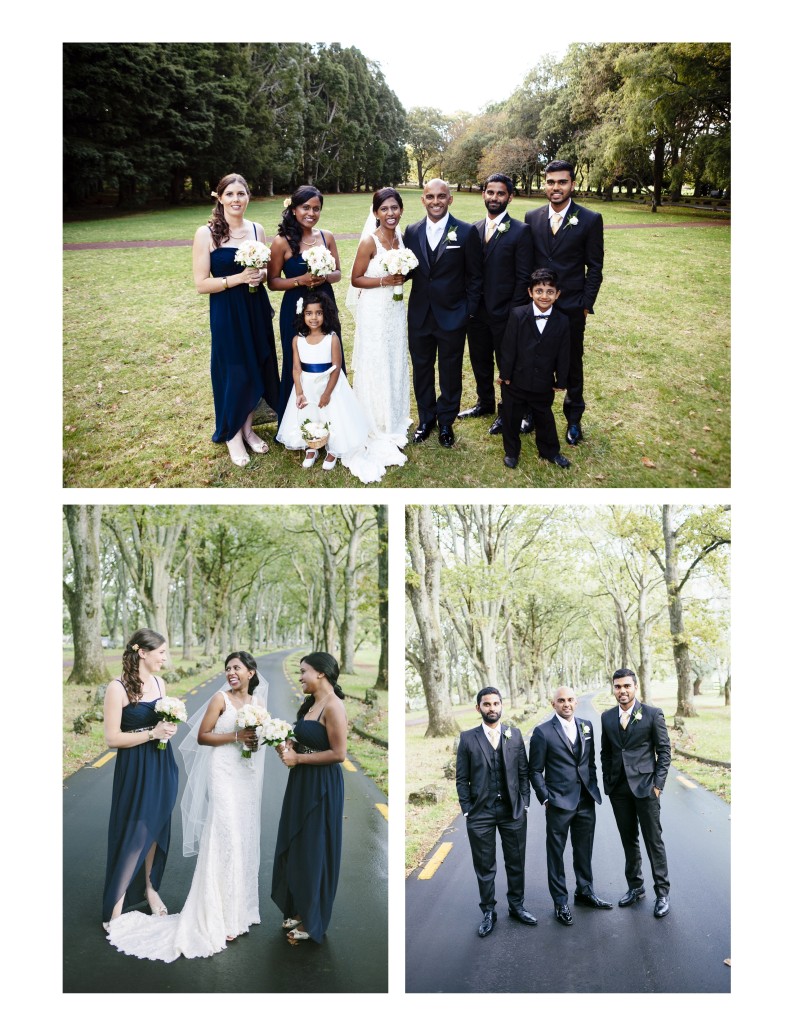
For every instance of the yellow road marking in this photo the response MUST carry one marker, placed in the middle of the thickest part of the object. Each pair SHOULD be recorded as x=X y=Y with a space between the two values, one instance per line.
x=382 y=808
x=686 y=782
x=103 y=760
x=430 y=868
x=349 y=766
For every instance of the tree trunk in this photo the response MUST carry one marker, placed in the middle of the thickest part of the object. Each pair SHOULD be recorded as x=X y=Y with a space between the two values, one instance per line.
x=381 y=527
x=84 y=597
x=186 y=626
x=659 y=167
x=686 y=702
x=728 y=691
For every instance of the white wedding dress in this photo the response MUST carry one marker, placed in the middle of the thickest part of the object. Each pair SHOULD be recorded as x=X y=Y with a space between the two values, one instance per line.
x=223 y=897
x=380 y=359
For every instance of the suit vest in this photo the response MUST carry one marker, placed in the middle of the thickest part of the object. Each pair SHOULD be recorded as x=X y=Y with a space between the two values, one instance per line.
x=498 y=782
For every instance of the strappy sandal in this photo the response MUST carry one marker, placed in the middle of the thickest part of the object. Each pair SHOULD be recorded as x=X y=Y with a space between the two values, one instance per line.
x=291 y=922
x=310 y=458
x=238 y=460
x=161 y=910
x=256 y=443
x=297 y=935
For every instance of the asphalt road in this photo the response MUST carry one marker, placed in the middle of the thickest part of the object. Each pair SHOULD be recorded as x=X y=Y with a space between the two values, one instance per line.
x=353 y=957
x=618 y=950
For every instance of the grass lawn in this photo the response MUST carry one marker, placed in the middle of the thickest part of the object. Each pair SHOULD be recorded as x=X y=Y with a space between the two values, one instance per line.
x=81 y=749
x=137 y=394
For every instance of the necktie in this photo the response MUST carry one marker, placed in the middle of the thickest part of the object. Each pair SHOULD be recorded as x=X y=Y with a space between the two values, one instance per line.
x=490 y=226
x=556 y=219
x=492 y=738
x=625 y=715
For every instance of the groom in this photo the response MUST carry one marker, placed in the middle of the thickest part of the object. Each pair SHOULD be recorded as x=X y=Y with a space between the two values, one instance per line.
x=494 y=793
x=446 y=289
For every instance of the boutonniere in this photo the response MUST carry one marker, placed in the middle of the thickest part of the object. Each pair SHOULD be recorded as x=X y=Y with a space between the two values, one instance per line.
x=638 y=715
x=451 y=236
x=585 y=730
x=507 y=732
x=503 y=226
x=572 y=222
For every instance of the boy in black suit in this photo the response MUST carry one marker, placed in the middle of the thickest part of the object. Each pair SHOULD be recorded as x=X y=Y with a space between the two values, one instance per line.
x=534 y=364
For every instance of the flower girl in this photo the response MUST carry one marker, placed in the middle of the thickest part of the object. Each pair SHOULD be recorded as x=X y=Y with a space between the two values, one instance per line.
x=322 y=408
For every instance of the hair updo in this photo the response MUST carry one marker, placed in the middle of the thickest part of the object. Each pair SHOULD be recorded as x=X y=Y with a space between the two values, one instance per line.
x=328 y=666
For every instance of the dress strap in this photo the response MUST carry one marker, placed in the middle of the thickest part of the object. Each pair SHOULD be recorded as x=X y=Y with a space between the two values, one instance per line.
x=323 y=239
x=159 y=685
x=255 y=233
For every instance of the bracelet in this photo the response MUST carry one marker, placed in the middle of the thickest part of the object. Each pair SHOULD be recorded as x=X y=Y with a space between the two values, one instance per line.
x=150 y=735
x=225 y=283
x=236 y=736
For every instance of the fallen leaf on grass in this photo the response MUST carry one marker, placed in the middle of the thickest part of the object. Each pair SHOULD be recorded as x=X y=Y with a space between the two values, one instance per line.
x=99 y=386
x=648 y=463
x=124 y=391
x=707 y=429
x=601 y=476
x=618 y=423
x=69 y=429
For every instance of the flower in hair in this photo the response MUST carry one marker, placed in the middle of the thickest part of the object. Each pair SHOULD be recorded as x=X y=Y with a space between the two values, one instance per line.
x=214 y=195
x=135 y=647
x=300 y=304
x=286 y=203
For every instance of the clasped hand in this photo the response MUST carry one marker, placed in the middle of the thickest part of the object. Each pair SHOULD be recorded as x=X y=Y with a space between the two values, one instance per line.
x=252 y=275
x=249 y=737
x=164 y=730
x=287 y=754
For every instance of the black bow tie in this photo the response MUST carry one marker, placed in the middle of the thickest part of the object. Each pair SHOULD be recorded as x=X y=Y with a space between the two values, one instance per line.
x=542 y=316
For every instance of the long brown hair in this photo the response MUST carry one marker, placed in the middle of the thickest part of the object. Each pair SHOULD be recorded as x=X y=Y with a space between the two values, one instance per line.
x=147 y=640
x=218 y=225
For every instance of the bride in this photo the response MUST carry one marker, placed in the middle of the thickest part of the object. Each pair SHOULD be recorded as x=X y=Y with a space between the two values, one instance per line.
x=221 y=815
x=380 y=364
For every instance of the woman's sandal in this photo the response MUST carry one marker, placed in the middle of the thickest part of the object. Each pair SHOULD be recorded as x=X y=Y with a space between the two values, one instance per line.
x=255 y=443
x=291 y=922
x=310 y=458
x=297 y=935
x=238 y=460
x=161 y=910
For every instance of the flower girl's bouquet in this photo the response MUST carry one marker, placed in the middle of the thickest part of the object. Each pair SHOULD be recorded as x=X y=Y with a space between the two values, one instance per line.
x=316 y=434
x=170 y=709
x=253 y=254
x=320 y=261
x=398 y=261
x=251 y=716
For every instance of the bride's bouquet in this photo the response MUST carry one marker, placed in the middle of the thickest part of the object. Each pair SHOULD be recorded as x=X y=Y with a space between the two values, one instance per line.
x=253 y=254
x=170 y=709
x=251 y=716
x=398 y=261
x=320 y=261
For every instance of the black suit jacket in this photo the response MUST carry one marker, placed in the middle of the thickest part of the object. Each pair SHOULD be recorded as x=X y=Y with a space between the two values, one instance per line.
x=641 y=751
x=507 y=263
x=473 y=759
x=451 y=288
x=557 y=774
x=531 y=360
x=575 y=253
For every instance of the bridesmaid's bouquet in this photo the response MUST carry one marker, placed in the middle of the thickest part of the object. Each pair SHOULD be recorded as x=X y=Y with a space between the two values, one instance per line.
x=276 y=731
x=398 y=261
x=320 y=261
x=170 y=709
x=253 y=254
x=251 y=716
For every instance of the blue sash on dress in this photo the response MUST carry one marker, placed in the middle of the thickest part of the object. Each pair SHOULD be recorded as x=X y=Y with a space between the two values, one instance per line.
x=316 y=367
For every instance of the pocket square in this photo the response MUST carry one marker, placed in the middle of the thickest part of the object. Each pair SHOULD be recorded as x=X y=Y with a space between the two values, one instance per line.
x=452 y=247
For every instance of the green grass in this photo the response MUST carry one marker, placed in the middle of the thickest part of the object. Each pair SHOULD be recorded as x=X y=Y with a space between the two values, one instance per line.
x=137 y=394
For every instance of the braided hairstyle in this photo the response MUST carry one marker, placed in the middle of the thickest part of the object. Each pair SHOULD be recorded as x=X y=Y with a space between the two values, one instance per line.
x=325 y=663
x=250 y=664
x=289 y=227
x=143 y=639
x=218 y=225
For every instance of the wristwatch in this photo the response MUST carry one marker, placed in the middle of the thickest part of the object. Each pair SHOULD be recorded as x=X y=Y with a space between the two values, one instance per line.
x=150 y=735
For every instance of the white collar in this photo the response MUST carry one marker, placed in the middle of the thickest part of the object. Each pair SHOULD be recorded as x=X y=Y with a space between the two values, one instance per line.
x=563 y=212
x=538 y=312
x=437 y=226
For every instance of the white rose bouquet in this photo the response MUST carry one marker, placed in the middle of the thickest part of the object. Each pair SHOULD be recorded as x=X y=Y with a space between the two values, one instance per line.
x=170 y=709
x=275 y=732
x=251 y=716
x=398 y=261
x=320 y=261
x=315 y=433
x=253 y=254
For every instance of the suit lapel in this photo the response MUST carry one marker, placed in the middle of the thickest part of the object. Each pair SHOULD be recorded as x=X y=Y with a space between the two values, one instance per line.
x=580 y=741
x=421 y=237
x=488 y=247
x=559 y=238
x=452 y=223
x=562 y=733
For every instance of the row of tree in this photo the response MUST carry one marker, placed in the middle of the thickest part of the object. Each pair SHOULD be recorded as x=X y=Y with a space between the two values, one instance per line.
x=529 y=598
x=165 y=120
x=223 y=578
x=646 y=117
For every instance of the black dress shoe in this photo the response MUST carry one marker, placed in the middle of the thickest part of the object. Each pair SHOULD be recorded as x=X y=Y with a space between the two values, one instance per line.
x=496 y=427
x=632 y=896
x=422 y=432
x=574 y=433
x=477 y=410
x=522 y=915
x=559 y=460
x=527 y=425
x=488 y=923
x=446 y=437
x=590 y=899
x=511 y=461
x=662 y=906
x=563 y=914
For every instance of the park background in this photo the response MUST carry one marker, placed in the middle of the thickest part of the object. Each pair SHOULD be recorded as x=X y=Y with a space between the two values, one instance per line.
x=34 y=466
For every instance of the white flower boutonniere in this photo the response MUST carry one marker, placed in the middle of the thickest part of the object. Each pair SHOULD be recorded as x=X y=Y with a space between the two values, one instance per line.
x=585 y=730
x=572 y=222
x=503 y=226
x=638 y=716
x=507 y=732
x=451 y=236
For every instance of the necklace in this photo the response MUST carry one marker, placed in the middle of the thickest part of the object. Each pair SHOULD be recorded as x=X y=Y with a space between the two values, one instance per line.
x=390 y=247
x=317 y=707
x=243 y=234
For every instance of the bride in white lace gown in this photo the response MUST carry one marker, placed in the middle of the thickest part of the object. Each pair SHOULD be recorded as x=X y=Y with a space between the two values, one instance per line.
x=380 y=360
x=221 y=813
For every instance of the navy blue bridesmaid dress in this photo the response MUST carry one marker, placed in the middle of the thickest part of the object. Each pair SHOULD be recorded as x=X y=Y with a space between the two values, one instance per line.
x=243 y=359
x=145 y=786
x=308 y=850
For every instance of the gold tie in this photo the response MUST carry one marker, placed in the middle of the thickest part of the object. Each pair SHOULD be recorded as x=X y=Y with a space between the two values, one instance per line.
x=556 y=219
x=490 y=225
x=625 y=715
x=492 y=738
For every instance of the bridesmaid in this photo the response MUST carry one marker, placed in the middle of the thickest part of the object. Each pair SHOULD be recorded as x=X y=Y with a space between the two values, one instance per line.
x=145 y=783
x=243 y=359
x=296 y=234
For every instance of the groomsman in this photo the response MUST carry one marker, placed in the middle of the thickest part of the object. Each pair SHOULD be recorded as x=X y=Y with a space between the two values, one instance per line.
x=446 y=289
x=507 y=258
x=635 y=757
x=569 y=239
x=562 y=767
